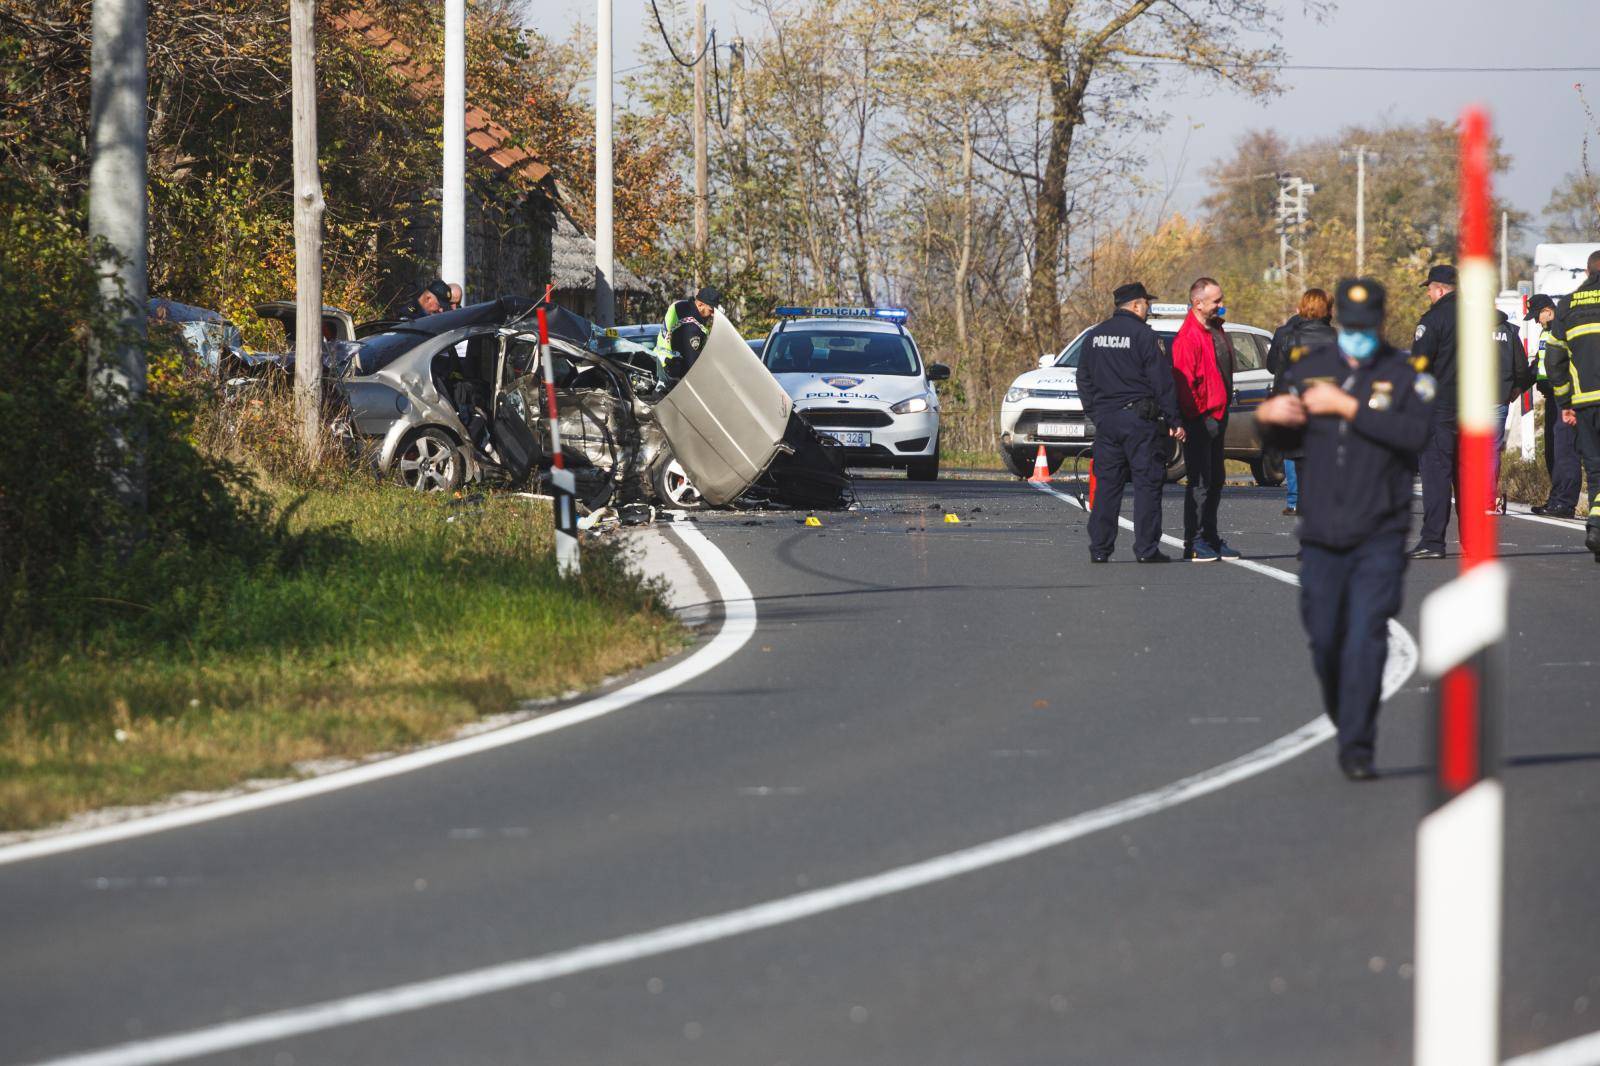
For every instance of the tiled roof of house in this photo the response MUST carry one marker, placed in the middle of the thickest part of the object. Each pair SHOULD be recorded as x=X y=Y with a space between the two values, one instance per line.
x=572 y=261
x=425 y=82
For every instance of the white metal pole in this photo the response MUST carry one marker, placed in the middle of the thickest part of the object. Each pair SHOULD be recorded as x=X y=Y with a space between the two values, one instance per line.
x=308 y=209
x=118 y=214
x=604 y=263
x=453 y=213
x=1505 y=257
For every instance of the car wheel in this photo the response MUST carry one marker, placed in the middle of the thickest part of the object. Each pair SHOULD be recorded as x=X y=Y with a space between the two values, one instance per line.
x=1268 y=468
x=429 y=461
x=925 y=469
x=1018 y=462
x=672 y=485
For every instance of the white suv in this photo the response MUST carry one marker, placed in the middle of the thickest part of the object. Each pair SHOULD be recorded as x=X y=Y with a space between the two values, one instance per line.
x=1043 y=407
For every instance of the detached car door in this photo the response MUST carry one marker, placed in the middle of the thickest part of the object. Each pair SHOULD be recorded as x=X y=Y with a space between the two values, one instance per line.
x=726 y=417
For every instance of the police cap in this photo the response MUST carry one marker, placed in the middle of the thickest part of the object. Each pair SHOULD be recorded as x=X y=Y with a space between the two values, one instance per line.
x=1537 y=304
x=1443 y=273
x=1359 y=303
x=1134 y=290
x=711 y=296
x=440 y=290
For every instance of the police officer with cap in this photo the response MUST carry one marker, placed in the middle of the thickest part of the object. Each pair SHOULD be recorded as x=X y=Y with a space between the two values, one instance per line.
x=1574 y=365
x=1560 y=439
x=683 y=333
x=1362 y=413
x=1125 y=381
x=1433 y=350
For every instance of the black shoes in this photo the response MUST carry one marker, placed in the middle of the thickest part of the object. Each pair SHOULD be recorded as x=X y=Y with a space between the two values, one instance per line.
x=1093 y=558
x=1591 y=539
x=1291 y=510
x=1419 y=552
x=1157 y=556
x=1544 y=510
x=1358 y=767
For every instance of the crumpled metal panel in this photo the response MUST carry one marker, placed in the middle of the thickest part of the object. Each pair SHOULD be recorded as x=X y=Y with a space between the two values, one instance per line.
x=725 y=419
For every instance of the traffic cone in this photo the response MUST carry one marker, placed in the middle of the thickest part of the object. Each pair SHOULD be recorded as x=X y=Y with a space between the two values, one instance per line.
x=1041 y=468
x=1092 y=483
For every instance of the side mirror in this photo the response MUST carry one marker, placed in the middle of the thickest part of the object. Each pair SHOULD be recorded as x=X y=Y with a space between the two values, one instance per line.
x=1047 y=359
x=938 y=372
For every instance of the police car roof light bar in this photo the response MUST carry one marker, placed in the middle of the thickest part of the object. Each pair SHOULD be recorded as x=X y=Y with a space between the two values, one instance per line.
x=886 y=314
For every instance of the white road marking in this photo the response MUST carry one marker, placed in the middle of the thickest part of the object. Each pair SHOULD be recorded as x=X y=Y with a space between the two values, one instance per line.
x=1397 y=668
x=1579 y=1051
x=520 y=973
x=738 y=624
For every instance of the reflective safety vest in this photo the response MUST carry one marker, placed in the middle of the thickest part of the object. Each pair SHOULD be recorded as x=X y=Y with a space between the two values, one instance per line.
x=1574 y=357
x=1544 y=342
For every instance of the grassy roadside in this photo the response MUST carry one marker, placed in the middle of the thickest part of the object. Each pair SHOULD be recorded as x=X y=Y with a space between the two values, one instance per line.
x=399 y=619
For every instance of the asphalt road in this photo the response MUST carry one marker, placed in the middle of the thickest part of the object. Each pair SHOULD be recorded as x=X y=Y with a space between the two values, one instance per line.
x=913 y=688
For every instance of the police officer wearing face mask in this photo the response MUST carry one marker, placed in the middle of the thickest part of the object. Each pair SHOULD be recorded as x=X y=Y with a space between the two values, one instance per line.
x=1362 y=413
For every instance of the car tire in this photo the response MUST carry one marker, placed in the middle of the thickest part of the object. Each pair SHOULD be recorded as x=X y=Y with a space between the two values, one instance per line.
x=925 y=469
x=429 y=461
x=1267 y=468
x=671 y=484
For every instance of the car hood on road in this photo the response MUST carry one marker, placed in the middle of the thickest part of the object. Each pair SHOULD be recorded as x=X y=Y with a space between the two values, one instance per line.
x=726 y=418
x=809 y=390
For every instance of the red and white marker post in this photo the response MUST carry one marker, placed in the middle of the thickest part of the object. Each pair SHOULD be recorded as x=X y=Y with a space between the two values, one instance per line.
x=563 y=486
x=1460 y=841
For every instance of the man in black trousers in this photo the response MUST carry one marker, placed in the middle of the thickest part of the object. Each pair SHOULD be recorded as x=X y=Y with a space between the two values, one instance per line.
x=1433 y=350
x=1362 y=412
x=1126 y=384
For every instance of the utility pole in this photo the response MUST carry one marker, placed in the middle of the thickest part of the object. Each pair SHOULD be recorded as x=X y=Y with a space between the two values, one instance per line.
x=307 y=227
x=605 y=308
x=453 y=210
x=702 y=170
x=1361 y=153
x=1292 y=193
x=118 y=213
x=1505 y=250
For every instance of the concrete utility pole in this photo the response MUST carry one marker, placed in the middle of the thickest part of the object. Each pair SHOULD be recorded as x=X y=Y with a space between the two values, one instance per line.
x=702 y=169
x=605 y=308
x=307 y=227
x=1505 y=250
x=118 y=213
x=1361 y=153
x=453 y=212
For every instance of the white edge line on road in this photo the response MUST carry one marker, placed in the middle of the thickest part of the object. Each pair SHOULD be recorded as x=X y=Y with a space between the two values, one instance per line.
x=1397 y=668
x=520 y=973
x=1579 y=1051
x=738 y=624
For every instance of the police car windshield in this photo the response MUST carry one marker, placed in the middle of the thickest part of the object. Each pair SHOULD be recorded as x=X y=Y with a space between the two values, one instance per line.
x=830 y=349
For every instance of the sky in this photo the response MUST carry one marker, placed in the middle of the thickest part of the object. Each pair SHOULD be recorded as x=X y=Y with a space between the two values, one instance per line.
x=1539 y=115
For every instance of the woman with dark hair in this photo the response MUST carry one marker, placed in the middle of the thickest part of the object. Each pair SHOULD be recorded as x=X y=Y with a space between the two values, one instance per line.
x=1308 y=328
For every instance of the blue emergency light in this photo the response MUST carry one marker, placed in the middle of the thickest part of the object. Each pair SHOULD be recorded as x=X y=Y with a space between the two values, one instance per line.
x=885 y=314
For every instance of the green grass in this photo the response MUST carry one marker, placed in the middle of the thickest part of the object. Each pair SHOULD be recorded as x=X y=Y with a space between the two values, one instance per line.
x=968 y=459
x=405 y=618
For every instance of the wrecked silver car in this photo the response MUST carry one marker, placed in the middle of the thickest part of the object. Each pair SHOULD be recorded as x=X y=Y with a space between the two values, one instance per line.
x=459 y=397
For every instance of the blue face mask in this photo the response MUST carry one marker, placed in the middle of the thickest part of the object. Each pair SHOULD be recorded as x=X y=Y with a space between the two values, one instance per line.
x=1359 y=345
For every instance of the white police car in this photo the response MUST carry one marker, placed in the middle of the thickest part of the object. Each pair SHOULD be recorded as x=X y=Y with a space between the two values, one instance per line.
x=856 y=376
x=1042 y=406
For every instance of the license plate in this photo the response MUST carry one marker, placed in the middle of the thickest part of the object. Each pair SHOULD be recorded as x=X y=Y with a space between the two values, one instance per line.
x=850 y=438
x=1062 y=429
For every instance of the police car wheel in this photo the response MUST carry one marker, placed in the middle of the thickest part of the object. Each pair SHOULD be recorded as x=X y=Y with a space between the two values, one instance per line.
x=1019 y=461
x=1267 y=469
x=925 y=469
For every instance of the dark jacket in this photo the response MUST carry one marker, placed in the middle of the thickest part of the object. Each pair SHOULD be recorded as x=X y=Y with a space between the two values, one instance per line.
x=1516 y=375
x=1122 y=364
x=1358 y=474
x=1572 y=360
x=1296 y=333
x=1435 y=342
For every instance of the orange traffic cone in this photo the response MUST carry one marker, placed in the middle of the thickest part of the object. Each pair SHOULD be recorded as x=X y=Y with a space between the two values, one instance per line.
x=1041 y=467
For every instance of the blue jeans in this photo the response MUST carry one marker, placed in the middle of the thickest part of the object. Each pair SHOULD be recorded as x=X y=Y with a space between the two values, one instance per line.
x=1291 y=478
x=1502 y=411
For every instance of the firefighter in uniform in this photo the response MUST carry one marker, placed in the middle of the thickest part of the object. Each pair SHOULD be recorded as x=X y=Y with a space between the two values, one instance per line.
x=1362 y=412
x=1126 y=384
x=1573 y=362
x=676 y=347
x=1434 y=346
x=1560 y=439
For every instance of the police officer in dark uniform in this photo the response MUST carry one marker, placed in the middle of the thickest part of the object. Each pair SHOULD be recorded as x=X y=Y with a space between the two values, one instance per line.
x=1434 y=349
x=1126 y=384
x=1362 y=413
x=434 y=298
x=677 y=347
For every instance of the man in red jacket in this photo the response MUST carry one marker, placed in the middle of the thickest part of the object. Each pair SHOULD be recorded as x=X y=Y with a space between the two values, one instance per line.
x=1202 y=369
